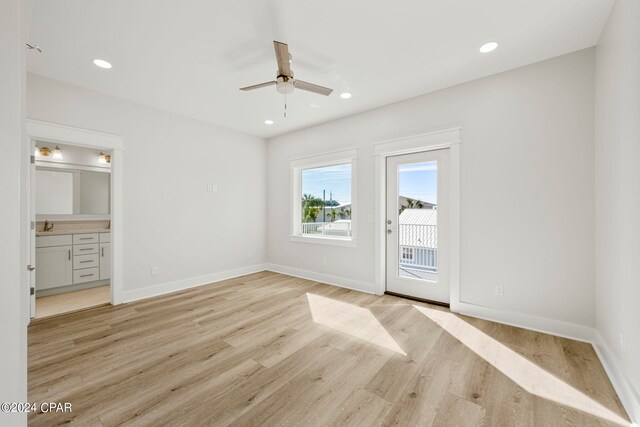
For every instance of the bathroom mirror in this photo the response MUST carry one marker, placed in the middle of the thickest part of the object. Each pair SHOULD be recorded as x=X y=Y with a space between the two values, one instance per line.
x=72 y=192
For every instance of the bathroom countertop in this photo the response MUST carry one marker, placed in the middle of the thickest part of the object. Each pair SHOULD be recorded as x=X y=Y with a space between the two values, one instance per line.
x=79 y=231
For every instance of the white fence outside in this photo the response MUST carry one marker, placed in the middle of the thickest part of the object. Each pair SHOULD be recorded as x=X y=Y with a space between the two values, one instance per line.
x=340 y=228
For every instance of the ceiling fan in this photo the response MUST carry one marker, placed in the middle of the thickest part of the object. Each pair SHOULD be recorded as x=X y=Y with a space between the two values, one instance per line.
x=284 y=82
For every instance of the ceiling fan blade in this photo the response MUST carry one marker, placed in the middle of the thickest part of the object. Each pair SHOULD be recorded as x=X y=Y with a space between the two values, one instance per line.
x=258 y=86
x=299 y=84
x=282 y=56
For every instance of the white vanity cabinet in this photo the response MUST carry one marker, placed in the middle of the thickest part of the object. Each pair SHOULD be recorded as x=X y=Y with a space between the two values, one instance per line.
x=55 y=266
x=105 y=256
x=71 y=259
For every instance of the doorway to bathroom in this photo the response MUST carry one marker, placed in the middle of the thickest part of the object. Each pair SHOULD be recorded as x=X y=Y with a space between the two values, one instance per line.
x=75 y=215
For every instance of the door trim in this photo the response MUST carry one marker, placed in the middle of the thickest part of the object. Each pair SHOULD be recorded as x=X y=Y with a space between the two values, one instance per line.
x=56 y=133
x=448 y=138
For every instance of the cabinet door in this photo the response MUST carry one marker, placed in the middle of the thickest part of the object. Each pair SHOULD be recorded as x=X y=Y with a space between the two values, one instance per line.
x=105 y=261
x=54 y=267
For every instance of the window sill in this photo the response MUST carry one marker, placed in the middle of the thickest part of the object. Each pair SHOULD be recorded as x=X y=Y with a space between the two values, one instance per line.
x=324 y=241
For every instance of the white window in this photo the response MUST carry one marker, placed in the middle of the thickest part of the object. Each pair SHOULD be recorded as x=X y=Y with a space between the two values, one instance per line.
x=323 y=198
x=407 y=254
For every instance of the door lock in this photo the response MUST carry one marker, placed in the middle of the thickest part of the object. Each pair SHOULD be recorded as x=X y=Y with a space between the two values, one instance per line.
x=388 y=221
x=389 y=231
x=30 y=268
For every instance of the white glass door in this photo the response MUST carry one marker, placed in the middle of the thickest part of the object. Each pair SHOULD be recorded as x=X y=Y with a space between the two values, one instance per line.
x=416 y=221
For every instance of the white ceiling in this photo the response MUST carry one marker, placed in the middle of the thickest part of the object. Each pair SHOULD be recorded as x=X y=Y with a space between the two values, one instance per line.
x=190 y=57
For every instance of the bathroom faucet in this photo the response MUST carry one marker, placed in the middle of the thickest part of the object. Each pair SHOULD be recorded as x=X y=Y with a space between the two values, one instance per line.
x=48 y=226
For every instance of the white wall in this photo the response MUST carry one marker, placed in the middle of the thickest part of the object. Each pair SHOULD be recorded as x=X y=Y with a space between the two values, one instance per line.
x=527 y=194
x=13 y=289
x=618 y=188
x=170 y=220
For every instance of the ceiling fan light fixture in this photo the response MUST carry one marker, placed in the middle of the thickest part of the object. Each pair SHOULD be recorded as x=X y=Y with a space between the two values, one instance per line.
x=285 y=85
x=488 y=47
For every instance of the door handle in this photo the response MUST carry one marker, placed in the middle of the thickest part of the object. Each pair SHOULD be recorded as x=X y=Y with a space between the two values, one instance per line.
x=30 y=267
x=389 y=221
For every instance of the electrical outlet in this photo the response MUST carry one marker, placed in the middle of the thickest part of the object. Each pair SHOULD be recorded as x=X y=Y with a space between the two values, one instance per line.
x=324 y=262
x=212 y=188
x=621 y=340
x=154 y=271
x=499 y=291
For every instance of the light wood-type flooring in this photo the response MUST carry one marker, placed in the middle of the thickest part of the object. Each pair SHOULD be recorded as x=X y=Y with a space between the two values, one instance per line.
x=273 y=350
x=68 y=302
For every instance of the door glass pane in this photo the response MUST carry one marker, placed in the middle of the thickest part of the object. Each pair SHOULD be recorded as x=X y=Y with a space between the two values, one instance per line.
x=418 y=220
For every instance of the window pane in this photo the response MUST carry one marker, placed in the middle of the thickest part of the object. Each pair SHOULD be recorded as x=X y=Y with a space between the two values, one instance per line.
x=326 y=201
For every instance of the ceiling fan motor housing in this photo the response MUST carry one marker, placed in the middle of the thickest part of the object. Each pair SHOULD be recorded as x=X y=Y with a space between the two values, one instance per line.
x=284 y=85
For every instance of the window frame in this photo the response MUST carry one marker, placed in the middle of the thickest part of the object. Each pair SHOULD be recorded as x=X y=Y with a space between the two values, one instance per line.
x=296 y=167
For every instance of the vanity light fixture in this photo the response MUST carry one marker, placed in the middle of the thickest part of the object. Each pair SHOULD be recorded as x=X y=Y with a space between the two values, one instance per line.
x=57 y=153
x=44 y=151
x=108 y=159
x=37 y=152
x=102 y=159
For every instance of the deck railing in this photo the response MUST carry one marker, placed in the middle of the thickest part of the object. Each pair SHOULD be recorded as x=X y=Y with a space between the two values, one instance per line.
x=338 y=229
x=418 y=246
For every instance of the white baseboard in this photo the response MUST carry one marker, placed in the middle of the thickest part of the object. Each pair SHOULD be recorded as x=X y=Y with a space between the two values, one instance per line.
x=628 y=395
x=178 y=285
x=539 y=324
x=342 y=282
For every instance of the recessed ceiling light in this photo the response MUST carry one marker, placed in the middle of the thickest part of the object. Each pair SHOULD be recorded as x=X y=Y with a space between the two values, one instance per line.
x=488 y=47
x=345 y=95
x=102 y=63
x=268 y=122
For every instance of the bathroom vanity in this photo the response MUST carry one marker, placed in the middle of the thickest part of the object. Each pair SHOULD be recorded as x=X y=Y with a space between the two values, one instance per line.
x=66 y=258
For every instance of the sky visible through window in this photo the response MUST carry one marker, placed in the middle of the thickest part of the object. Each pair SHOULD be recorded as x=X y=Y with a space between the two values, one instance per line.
x=419 y=181
x=334 y=180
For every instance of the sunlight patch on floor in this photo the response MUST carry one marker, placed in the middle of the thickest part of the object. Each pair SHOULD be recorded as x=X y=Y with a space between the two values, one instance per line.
x=519 y=369
x=351 y=319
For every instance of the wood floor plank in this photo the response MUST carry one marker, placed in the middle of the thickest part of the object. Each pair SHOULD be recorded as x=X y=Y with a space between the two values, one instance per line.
x=251 y=351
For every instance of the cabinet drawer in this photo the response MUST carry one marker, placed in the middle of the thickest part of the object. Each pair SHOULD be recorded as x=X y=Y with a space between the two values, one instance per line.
x=48 y=241
x=81 y=239
x=105 y=237
x=86 y=275
x=85 y=249
x=85 y=261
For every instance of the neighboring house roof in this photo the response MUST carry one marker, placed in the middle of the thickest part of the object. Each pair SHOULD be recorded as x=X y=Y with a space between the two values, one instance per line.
x=419 y=216
x=337 y=208
x=402 y=201
x=418 y=227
